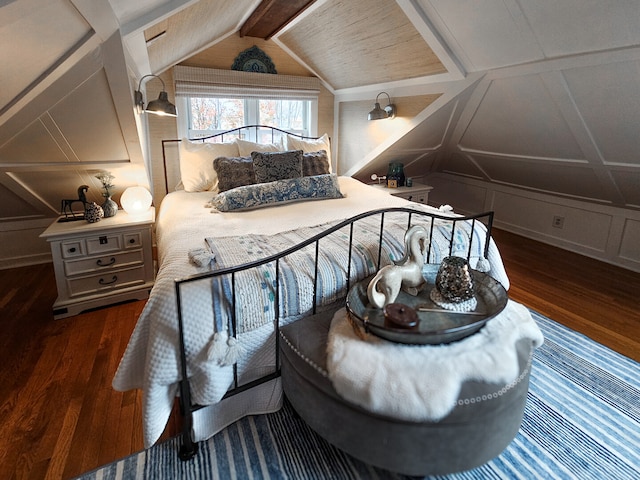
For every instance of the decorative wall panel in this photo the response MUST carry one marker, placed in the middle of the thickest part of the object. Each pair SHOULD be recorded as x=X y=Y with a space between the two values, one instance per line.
x=518 y=116
x=607 y=97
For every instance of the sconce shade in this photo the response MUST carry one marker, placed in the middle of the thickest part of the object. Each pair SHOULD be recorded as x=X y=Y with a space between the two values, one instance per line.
x=161 y=106
x=379 y=113
x=135 y=200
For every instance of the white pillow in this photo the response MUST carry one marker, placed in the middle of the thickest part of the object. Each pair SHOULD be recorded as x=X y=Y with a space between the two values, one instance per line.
x=245 y=147
x=196 y=163
x=309 y=145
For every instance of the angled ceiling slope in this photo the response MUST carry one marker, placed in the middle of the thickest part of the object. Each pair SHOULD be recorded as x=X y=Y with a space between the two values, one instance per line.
x=50 y=33
x=193 y=29
x=66 y=111
x=359 y=43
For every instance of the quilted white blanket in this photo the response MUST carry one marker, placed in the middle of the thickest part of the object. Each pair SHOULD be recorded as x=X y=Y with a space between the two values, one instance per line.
x=151 y=360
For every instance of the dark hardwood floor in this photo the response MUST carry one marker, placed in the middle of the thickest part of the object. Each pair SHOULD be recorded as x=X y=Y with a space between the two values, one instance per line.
x=595 y=298
x=60 y=416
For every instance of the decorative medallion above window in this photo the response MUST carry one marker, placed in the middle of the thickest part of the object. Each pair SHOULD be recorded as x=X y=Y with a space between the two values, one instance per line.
x=254 y=60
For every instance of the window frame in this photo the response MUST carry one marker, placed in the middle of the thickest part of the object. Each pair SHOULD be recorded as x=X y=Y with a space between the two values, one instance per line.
x=251 y=107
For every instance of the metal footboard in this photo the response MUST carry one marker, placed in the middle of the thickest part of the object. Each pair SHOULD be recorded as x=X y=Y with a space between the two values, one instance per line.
x=189 y=448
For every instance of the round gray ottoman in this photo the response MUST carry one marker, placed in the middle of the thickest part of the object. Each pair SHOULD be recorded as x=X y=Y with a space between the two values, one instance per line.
x=486 y=419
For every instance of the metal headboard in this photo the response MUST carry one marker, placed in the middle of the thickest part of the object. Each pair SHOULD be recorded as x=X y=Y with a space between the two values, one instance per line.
x=239 y=132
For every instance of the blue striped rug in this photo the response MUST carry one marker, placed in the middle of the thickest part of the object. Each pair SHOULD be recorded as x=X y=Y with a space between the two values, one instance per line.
x=582 y=421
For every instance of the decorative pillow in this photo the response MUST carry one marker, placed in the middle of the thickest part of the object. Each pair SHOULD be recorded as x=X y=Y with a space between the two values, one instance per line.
x=310 y=145
x=196 y=163
x=315 y=163
x=234 y=172
x=272 y=166
x=245 y=147
x=291 y=190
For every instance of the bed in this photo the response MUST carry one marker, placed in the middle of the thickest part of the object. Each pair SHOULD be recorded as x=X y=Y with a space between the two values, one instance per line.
x=236 y=262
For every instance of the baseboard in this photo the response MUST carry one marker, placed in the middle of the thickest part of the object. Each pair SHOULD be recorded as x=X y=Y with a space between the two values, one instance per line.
x=25 y=261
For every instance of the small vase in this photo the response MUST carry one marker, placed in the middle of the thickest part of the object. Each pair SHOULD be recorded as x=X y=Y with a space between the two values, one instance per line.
x=109 y=207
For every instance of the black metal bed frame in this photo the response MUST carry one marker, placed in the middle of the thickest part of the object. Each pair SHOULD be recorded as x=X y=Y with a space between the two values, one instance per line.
x=189 y=448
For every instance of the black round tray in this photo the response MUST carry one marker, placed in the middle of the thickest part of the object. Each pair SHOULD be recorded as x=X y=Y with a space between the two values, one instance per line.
x=436 y=325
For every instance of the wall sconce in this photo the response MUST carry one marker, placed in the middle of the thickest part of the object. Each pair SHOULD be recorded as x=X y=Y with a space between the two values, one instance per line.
x=136 y=200
x=161 y=106
x=378 y=113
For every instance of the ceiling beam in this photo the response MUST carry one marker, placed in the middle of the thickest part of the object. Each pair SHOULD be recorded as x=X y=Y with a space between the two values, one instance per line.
x=271 y=16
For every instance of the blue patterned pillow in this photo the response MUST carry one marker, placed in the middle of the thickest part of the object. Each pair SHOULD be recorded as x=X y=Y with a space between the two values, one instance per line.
x=273 y=166
x=248 y=197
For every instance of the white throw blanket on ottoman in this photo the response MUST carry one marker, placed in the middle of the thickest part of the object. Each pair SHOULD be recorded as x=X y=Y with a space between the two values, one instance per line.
x=422 y=382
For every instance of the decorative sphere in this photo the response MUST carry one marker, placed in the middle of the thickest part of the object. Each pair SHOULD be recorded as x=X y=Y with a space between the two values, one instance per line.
x=93 y=212
x=135 y=200
x=454 y=280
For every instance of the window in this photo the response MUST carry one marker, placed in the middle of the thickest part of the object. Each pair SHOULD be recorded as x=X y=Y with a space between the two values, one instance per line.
x=210 y=101
x=211 y=115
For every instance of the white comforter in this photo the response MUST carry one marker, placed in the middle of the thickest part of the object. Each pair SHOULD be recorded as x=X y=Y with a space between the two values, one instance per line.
x=151 y=359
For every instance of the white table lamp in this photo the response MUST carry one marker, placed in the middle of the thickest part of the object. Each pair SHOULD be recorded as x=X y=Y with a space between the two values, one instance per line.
x=136 y=200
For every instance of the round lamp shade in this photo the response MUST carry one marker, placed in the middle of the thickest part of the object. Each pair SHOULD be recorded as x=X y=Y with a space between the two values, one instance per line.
x=135 y=200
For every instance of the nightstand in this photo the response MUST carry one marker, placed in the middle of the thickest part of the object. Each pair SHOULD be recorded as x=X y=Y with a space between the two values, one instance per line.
x=101 y=263
x=418 y=192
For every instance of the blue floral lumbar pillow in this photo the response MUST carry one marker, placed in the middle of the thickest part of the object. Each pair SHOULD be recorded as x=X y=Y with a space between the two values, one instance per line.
x=248 y=197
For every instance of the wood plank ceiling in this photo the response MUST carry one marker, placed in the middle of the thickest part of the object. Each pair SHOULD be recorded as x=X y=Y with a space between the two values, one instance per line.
x=271 y=16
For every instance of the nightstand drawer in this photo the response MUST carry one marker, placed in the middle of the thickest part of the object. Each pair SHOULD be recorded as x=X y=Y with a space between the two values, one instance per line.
x=104 y=262
x=108 y=280
x=132 y=240
x=104 y=243
x=419 y=196
x=72 y=248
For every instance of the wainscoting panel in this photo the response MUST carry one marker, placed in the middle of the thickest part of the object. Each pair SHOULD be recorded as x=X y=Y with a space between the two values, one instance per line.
x=598 y=231
x=586 y=229
x=630 y=244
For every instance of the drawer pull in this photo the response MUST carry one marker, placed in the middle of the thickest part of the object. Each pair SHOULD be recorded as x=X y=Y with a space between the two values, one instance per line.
x=72 y=250
x=114 y=279
x=111 y=262
x=132 y=240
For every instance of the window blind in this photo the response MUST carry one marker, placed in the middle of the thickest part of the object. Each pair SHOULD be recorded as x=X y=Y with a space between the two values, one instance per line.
x=209 y=82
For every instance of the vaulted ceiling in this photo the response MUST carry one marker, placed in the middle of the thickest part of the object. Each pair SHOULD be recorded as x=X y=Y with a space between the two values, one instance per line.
x=540 y=95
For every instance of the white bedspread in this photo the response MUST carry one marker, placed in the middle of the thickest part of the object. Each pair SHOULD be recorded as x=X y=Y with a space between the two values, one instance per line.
x=151 y=360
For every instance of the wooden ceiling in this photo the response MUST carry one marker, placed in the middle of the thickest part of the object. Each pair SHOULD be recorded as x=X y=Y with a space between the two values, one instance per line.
x=271 y=16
